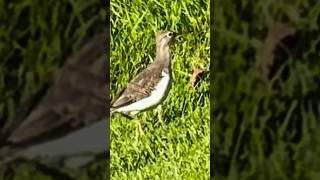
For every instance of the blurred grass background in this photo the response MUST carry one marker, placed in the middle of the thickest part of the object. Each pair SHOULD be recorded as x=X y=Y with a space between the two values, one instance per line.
x=263 y=129
x=179 y=148
x=266 y=126
x=36 y=37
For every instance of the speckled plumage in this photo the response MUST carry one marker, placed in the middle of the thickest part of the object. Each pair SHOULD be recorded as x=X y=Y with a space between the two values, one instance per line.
x=144 y=85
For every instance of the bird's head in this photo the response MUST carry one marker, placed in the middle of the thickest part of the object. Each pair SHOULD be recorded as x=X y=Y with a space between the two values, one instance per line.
x=165 y=38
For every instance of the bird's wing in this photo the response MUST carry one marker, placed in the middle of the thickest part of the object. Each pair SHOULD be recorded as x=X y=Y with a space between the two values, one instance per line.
x=76 y=98
x=139 y=88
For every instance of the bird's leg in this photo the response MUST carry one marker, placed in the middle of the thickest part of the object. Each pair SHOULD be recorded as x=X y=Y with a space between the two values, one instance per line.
x=159 y=113
x=139 y=130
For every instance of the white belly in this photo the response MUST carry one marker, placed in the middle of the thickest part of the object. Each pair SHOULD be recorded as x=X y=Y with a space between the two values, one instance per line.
x=156 y=97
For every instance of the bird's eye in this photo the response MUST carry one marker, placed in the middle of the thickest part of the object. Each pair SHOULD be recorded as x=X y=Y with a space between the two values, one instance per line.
x=170 y=34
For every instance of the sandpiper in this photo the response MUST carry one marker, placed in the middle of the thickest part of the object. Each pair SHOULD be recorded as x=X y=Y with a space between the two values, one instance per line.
x=67 y=111
x=151 y=86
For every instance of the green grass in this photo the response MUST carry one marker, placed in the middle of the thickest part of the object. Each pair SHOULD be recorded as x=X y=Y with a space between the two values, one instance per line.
x=260 y=132
x=179 y=148
x=36 y=37
x=270 y=129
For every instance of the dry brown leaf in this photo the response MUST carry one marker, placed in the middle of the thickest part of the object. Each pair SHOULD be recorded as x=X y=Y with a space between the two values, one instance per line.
x=196 y=76
x=265 y=55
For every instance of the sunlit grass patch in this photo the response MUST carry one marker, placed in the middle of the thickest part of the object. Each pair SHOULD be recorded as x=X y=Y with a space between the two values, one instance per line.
x=179 y=148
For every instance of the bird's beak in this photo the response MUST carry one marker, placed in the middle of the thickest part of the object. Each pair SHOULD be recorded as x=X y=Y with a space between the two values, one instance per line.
x=179 y=37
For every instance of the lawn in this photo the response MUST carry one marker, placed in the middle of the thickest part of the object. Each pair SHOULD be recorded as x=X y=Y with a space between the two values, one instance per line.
x=265 y=104
x=36 y=38
x=265 y=125
x=178 y=148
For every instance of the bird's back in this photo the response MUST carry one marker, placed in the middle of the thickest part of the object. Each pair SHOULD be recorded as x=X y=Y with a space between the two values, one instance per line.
x=143 y=86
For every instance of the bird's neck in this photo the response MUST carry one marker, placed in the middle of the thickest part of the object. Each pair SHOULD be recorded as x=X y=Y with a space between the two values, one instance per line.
x=163 y=56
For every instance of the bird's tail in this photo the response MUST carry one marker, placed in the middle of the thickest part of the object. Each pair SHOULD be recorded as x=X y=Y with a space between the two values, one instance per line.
x=8 y=154
x=112 y=111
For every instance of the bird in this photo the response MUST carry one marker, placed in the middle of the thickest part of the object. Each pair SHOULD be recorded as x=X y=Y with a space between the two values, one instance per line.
x=151 y=86
x=68 y=111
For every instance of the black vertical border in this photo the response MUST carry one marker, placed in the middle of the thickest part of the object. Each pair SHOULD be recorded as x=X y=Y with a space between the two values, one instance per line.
x=212 y=6
x=107 y=42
